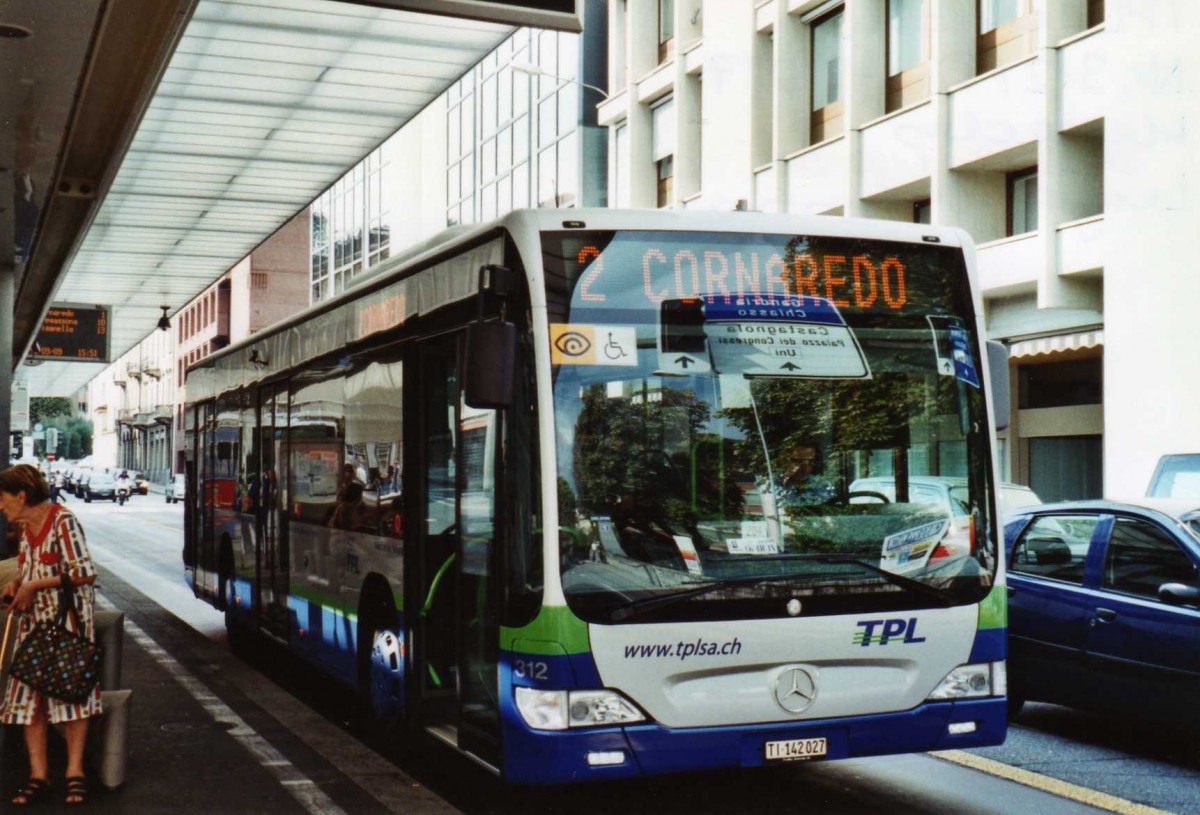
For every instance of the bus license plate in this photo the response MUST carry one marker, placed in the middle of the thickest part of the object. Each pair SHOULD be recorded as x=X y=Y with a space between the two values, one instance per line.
x=795 y=749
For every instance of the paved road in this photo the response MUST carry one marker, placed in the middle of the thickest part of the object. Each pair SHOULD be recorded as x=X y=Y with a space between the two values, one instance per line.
x=230 y=737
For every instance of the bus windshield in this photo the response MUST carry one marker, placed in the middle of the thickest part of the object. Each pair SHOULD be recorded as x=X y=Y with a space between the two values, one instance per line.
x=755 y=425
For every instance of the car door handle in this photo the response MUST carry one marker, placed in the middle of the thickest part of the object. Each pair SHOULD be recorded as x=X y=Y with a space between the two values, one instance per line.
x=1106 y=615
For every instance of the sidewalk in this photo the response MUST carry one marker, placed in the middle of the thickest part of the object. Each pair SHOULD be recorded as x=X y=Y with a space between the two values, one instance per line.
x=197 y=739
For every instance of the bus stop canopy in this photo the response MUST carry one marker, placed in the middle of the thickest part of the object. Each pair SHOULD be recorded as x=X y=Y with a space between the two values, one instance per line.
x=149 y=145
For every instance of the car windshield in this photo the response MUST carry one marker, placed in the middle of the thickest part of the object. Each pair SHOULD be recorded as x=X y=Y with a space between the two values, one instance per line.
x=101 y=480
x=1177 y=476
x=714 y=414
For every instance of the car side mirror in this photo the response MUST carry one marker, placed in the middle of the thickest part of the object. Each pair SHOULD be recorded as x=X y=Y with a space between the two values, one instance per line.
x=1179 y=594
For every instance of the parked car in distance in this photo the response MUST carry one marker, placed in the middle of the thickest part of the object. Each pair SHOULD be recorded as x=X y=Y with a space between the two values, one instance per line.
x=141 y=484
x=100 y=485
x=177 y=489
x=948 y=492
x=1176 y=476
x=81 y=482
x=1104 y=607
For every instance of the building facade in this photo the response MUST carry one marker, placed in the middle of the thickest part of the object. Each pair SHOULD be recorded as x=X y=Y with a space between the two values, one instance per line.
x=517 y=130
x=1055 y=133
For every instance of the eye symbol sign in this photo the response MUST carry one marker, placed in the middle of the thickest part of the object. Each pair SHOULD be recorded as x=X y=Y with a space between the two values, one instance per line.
x=573 y=344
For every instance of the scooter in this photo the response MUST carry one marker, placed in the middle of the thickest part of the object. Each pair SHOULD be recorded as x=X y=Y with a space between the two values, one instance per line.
x=122 y=494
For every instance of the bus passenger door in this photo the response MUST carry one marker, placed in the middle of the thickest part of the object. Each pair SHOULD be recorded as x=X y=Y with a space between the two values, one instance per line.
x=457 y=635
x=273 y=562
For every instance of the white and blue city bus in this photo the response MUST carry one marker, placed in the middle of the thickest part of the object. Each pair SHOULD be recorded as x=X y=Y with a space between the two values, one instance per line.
x=570 y=491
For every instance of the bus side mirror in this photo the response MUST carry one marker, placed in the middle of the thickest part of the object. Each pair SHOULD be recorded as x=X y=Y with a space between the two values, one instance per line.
x=491 y=353
x=998 y=366
x=491 y=344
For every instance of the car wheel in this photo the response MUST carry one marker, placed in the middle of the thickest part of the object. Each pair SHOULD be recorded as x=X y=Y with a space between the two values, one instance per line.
x=87 y=499
x=1015 y=703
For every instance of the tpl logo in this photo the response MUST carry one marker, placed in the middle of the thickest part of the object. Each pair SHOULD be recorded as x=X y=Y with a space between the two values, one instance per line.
x=898 y=629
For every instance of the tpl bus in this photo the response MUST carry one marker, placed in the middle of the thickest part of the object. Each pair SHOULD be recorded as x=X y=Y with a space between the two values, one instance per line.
x=598 y=466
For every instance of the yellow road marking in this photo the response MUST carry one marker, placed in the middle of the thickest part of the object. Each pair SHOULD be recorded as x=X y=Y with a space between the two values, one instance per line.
x=1063 y=789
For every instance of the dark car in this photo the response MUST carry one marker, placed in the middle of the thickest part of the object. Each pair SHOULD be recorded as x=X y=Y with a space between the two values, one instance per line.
x=100 y=485
x=1104 y=607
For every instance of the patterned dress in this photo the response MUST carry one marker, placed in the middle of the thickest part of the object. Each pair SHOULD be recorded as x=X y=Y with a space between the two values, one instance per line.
x=57 y=547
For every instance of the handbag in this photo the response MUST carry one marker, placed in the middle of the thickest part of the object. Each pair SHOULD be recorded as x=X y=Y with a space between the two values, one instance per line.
x=58 y=662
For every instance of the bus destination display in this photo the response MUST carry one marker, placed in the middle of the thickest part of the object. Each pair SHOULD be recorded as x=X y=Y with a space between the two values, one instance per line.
x=73 y=332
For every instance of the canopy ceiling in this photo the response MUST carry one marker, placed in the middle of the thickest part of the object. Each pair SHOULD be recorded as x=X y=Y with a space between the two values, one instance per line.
x=261 y=105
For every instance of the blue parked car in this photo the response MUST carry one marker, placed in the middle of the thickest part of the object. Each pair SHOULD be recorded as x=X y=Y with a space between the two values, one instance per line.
x=1104 y=607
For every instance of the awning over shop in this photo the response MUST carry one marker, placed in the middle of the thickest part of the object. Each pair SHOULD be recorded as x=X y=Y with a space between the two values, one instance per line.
x=1058 y=343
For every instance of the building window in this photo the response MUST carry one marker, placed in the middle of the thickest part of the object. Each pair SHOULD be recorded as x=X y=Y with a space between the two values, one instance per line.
x=1095 y=15
x=1007 y=32
x=663 y=126
x=908 y=53
x=826 y=77
x=995 y=13
x=923 y=212
x=1061 y=384
x=1022 y=202
x=666 y=29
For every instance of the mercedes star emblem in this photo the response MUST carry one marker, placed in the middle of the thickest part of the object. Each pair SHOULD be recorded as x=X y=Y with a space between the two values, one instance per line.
x=795 y=690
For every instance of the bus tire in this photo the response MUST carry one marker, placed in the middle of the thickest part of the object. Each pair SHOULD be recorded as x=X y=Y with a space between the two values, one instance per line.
x=1015 y=704
x=381 y=658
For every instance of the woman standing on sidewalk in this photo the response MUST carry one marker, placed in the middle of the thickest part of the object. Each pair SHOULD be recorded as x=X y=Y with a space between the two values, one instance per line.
x=53 y=550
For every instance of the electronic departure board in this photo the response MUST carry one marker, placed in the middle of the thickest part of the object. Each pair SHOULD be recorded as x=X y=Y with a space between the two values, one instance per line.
x=73 y=332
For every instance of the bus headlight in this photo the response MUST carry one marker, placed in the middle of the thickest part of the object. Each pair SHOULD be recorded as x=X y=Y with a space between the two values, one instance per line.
x=972 y=681
x=560 y=709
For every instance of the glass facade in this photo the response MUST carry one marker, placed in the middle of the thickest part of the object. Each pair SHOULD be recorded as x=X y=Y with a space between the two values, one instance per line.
x=512 y=134
x=513 y=140
x=349 y=228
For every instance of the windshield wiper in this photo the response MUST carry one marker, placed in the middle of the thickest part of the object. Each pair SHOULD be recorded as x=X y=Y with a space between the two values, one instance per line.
x=636 y=608
x=900 y=580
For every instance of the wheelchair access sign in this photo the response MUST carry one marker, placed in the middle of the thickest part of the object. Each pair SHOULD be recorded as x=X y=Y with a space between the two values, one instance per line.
x=584 y=344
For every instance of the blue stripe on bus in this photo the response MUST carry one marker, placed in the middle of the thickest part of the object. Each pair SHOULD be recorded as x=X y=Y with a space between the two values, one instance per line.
x=991 y=645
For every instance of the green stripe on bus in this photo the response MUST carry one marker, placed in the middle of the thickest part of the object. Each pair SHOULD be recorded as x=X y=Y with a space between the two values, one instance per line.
x=993 y=611
x=554 y=625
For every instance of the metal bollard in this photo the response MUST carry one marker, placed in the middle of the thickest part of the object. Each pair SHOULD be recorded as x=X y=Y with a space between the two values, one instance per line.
x=110 y=635
x=111 y=753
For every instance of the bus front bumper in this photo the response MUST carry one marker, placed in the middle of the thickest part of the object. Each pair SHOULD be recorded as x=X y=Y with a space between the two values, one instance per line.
x=571 y=756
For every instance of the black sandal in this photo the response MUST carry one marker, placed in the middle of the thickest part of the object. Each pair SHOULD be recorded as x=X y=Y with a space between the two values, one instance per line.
x=35 y=789
x=77 y=789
